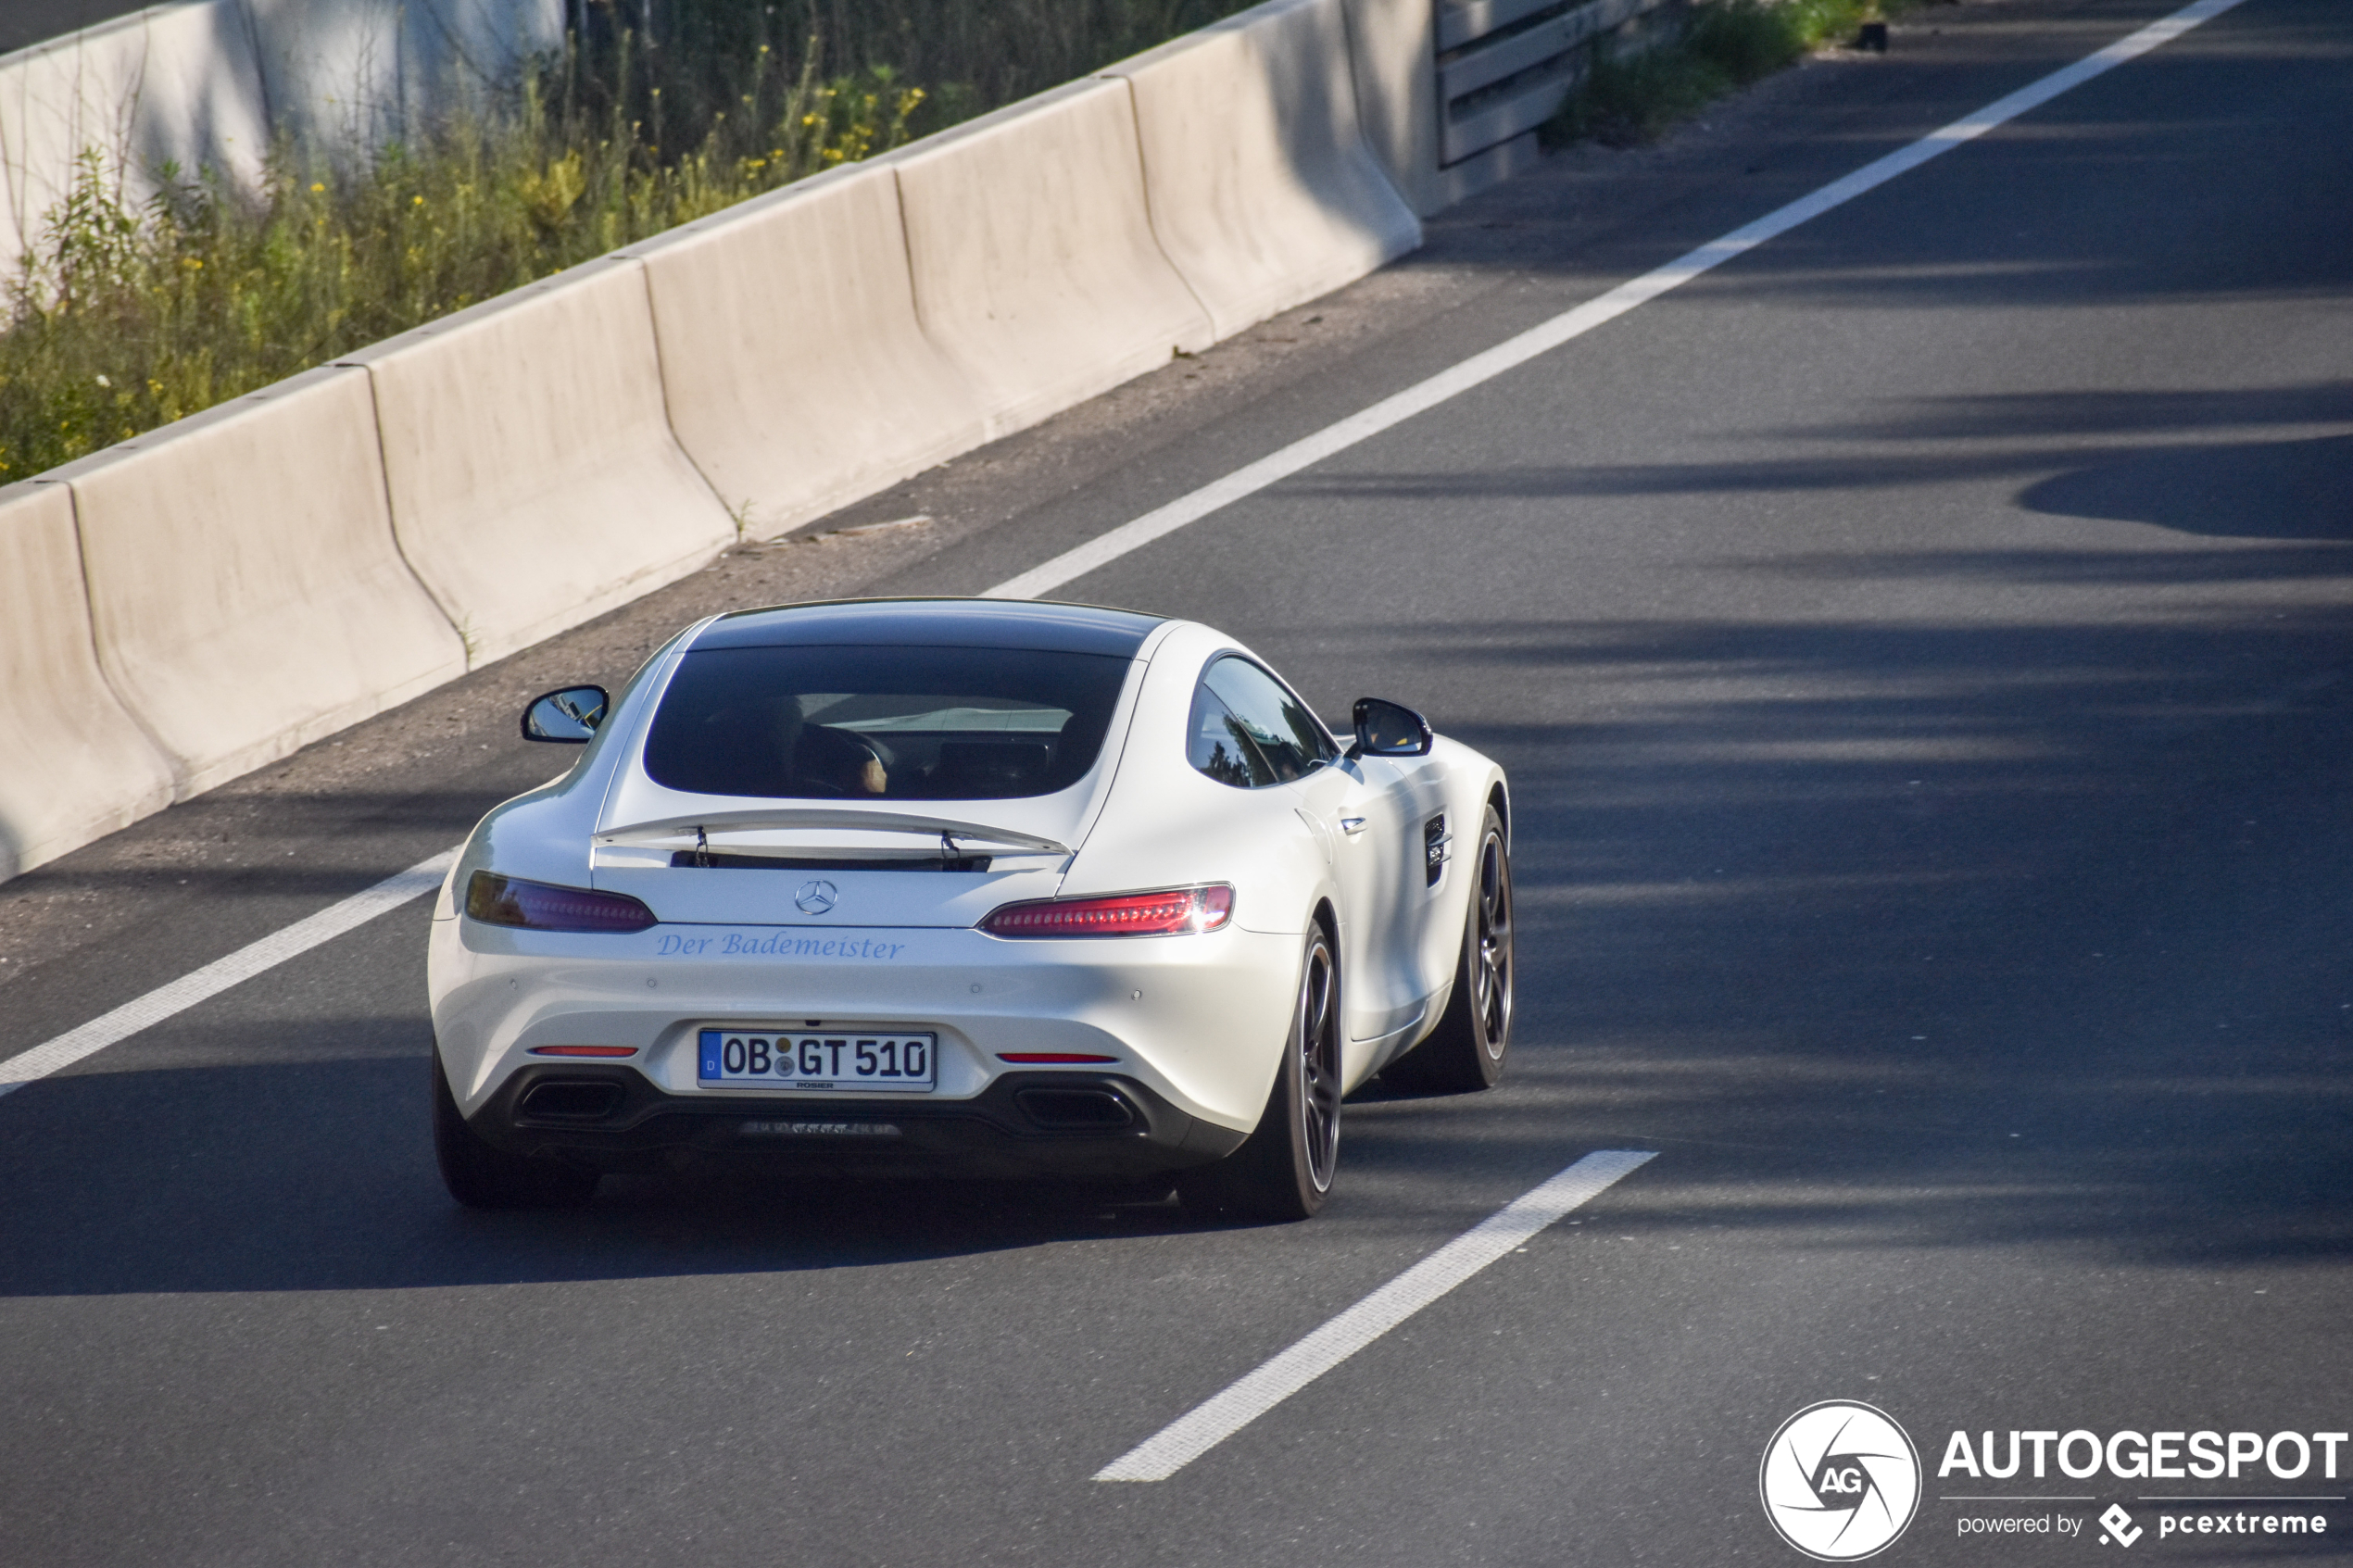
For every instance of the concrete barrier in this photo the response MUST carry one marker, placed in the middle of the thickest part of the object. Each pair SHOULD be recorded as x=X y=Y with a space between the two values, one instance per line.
x=1393 y=45
x=1035 y=264
x=1264 y=191
x=534 y=477
x=798 y=378
x=207 y=82
x=245 y=589
x=177 y=83
x=78 y=766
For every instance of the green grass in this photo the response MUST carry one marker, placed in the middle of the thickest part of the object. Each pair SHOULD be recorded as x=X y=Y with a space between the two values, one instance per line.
x=128 y=315
x=1629 y=99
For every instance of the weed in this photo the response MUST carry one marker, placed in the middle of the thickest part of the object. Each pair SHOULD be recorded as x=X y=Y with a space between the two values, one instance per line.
x=128 y=315
x=1628 y=99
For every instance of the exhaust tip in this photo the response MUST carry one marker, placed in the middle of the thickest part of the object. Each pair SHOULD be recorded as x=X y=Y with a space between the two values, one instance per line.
x=571 y=1100
x=1090 y=1110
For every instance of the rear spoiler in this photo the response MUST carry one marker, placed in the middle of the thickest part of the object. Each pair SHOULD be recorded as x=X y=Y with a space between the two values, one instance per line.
x=823 y=817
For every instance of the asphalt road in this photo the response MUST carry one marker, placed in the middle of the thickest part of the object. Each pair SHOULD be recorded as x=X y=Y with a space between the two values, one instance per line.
x=1920 y=651
x=24 y=23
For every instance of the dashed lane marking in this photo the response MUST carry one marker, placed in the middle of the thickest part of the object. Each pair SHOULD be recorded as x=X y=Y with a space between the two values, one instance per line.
x=1220 y=1416
x=253 y=958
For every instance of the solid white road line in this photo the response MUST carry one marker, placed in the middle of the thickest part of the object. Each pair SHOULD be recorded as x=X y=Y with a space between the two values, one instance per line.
x=251 y=958
x=1211 y=1423
x=1514 y=352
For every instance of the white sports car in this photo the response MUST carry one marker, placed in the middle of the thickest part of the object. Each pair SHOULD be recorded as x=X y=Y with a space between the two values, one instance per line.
x=964 y=886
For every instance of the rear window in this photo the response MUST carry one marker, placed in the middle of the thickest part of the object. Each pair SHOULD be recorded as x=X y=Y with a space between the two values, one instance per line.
x=893 y=723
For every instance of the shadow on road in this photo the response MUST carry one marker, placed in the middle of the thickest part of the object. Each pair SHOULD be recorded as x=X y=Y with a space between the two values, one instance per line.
x=317 y=1174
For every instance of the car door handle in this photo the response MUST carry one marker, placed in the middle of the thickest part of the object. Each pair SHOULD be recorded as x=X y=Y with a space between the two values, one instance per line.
x=1351 y=824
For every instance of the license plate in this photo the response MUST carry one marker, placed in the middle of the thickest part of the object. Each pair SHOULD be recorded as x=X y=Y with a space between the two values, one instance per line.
x=826 y=1062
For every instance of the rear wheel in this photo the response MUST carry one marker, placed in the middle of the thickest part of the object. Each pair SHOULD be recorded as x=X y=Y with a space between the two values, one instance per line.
x=1285 y=1171
x=1466 y=1052
x=482 y=1177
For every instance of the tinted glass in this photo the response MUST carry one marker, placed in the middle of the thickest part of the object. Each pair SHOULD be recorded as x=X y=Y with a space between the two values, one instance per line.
x=1247 y=729
x=1220 y=744
x=899 y=723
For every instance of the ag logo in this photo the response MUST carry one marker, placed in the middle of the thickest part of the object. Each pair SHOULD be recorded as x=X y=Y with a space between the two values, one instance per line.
x=1840 y=1481
x=815 y=897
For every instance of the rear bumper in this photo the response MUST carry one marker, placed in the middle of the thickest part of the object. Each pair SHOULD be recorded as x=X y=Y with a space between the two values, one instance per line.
x=1196 y=1021
x=1025 y=1125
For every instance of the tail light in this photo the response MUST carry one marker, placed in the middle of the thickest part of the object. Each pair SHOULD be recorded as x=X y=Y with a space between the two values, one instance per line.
x=506 y=900
x=1178 y=911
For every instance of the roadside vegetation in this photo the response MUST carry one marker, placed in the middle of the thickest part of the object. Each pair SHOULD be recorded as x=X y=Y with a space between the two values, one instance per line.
x=128 y=315
x=1629 y=98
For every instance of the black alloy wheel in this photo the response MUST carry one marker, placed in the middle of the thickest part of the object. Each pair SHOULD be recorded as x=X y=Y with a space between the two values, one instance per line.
x=1466 y=1050
x=1492 y=936
x=1317 y=1042
x=1285 y=1171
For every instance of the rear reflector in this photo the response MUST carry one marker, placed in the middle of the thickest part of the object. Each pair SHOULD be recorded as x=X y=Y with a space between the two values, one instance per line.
x=1178 y=911
x=583 y=1050
x=506 y=900
x=1033 y=1058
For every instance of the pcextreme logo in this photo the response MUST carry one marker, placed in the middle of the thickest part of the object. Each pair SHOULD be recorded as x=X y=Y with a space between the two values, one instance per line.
x=1840 y=1481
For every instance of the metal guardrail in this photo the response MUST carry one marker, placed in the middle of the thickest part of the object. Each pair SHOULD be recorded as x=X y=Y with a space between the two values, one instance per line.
x=1505 y=66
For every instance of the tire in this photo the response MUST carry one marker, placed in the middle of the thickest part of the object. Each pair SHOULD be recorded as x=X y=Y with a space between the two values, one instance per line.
x=1284 y=1172
x=482 y=1177
x=1474 y=1036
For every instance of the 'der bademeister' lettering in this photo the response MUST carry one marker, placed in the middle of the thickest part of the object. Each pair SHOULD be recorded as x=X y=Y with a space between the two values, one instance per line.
x=780 y=944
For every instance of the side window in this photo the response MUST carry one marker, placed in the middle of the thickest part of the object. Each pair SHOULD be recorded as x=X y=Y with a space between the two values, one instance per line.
x=1218 y=745
x=1247 y=730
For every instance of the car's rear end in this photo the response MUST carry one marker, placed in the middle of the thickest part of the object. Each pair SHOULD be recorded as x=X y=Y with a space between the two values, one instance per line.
x=800 y=903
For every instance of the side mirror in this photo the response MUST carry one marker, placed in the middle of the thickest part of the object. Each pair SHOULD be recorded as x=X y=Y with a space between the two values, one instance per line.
x=569 y=717
x=1389 y=729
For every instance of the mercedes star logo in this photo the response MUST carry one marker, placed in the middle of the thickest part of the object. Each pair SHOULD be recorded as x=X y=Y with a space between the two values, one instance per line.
x=816 y=897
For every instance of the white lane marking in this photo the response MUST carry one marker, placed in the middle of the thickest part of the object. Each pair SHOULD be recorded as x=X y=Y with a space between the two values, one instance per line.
x=1211 y=1423
x=1512 y=353
x=254 y=957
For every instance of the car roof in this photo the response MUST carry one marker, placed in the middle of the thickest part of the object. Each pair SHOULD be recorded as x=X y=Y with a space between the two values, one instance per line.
x=972 y=623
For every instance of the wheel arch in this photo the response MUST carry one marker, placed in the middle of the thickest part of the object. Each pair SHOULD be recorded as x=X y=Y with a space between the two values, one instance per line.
x=1325 y=917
